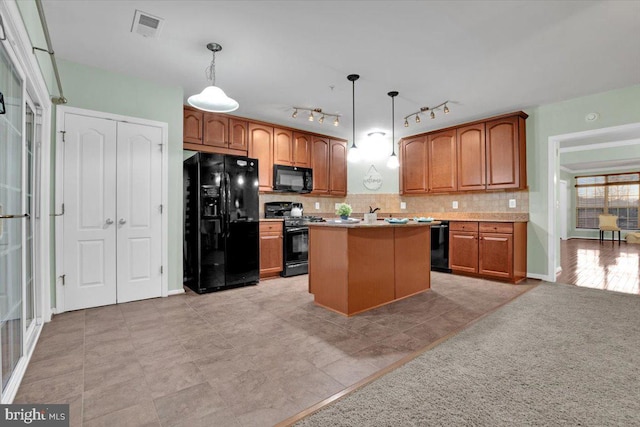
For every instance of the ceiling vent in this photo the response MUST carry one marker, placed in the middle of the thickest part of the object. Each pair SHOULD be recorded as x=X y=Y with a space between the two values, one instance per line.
x=146 y=25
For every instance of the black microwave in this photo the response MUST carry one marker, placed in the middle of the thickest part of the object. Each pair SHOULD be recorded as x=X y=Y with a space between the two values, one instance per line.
x=292 y=179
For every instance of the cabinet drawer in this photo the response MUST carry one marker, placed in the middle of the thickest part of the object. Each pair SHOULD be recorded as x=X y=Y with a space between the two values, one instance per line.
x=274 y=227
x=463 y=226
x=496 y=227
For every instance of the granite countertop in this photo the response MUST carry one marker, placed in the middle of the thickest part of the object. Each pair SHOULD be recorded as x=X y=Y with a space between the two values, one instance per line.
x=378 y=224
x=448 y=216
x=271 y=219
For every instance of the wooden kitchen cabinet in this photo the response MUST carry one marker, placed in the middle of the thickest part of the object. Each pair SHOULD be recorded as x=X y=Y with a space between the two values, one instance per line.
x=463 y=247
x=489 y=249
x=216 y=130
x=271 y=249
x=413 y=165
x=337 y=168
x=238 y=131
x=192 y=125
x=261 y=148
x=282 y=147
x=320 y=165
x=483 y=155
x=291 y=148
x=301 y=149
x=442 y=163
x=506 y=153
x=470 y=144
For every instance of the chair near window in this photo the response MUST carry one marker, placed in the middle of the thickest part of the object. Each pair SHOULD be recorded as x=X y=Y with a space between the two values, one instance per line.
x=609 y=223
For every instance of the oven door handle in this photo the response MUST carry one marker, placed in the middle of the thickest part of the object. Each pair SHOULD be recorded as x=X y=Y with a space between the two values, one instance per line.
x=295 y=229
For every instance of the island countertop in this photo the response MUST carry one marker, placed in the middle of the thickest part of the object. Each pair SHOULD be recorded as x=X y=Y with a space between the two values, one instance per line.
x=377 y=224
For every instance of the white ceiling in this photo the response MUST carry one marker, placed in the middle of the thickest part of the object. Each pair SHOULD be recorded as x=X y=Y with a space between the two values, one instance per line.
x=487 y=57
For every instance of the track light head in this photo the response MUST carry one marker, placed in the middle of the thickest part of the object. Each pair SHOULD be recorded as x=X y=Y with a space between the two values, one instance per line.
x=417 y=118
x=321 y=119
x=311 y=116
x=406 y=123
x=295 y=114
x=446 y=109
x=336 y=122
x=433 y=115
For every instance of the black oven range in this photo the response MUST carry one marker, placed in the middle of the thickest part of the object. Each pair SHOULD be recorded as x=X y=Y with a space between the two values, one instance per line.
x=296 y=235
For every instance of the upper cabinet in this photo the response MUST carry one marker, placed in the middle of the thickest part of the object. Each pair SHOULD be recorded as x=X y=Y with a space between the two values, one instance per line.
x=485 y=155
x=192 y=126
x=471 y=157
x=413 y=165
x=442 y=161
x=291 y=148
x=226 y=134
x=320 y=164
x=506 y=153
x=214 y=133
x=338 y=168
x=261 y=148
x=301 y=149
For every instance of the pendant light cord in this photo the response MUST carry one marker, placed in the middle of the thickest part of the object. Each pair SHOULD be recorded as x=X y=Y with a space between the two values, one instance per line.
x=393 y=125
x=211 y=70
x=352 y=78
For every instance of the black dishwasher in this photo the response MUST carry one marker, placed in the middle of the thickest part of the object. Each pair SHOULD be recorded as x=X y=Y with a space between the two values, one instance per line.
x=440 y=247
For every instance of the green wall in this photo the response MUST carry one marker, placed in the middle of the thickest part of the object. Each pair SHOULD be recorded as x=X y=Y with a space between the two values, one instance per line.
x=616 y=107
x=96 y=89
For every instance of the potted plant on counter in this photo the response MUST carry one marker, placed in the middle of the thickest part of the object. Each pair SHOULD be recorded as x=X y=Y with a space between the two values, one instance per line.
x=344 y=210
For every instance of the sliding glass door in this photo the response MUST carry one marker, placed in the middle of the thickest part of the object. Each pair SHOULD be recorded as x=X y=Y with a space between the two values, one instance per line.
x=13 y=218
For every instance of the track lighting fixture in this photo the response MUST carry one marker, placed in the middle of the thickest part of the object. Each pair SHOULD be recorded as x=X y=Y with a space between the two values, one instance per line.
x=431 y=111
x=319 y=111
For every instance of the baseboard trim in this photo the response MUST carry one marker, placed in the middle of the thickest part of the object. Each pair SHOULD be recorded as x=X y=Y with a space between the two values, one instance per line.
x=558 y=270
x=175 y=291
x=539 y=277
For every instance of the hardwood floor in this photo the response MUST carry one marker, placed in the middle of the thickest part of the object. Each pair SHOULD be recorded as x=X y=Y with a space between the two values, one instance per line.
x=607 y=265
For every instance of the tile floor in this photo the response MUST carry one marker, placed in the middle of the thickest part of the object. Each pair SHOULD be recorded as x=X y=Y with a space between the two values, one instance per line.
x=251 y=356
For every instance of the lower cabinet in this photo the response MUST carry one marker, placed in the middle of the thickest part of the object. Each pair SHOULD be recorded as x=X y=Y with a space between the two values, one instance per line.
x=271 y=250
x=489 y=249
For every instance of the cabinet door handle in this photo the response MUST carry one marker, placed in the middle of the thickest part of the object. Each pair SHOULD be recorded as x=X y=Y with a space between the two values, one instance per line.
x=122 y=221
x=109 y=221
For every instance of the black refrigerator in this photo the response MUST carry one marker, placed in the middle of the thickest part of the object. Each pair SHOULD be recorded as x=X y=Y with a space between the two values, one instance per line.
x=221 y=236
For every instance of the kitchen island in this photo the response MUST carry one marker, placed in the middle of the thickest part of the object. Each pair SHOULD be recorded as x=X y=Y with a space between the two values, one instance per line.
x=354 y=267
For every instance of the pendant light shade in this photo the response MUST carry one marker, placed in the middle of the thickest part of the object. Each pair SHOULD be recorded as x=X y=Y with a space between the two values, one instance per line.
x=392 y=161
x=212 y=98
x=353 y=155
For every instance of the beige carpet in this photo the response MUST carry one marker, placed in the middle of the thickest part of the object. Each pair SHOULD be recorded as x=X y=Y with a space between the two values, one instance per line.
x=558 y=355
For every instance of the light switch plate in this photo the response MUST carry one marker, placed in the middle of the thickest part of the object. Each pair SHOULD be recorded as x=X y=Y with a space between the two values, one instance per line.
x=512 y=203
x=454 y=205
x=403 y=205
x=336 y=206
x=317 y=205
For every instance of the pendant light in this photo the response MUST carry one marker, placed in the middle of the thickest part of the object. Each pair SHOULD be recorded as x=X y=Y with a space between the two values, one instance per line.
x=212 y=98
x=393 y=162
x=354 y=154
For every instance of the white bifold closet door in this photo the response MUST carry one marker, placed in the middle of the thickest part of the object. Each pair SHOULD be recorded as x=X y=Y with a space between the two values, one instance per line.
x=112 y=220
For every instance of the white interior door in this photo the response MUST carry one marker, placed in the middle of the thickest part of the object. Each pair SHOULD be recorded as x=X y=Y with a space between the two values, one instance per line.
x=90 y=212
x=139 y=224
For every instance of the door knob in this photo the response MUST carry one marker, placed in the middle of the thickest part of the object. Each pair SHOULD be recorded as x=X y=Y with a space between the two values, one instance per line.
x=109 y=221
x=122 y=221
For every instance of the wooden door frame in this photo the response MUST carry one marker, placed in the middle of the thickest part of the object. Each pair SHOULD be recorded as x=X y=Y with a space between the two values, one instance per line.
x=61 y=111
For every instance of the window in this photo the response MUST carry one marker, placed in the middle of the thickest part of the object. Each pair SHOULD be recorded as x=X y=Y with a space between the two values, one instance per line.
x=608 y=194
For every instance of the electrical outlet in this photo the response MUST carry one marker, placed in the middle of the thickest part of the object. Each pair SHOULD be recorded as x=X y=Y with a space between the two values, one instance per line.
x=318 y=205
x=512 y=203
x=454 y=205
x=336 y=206
x=403 y=205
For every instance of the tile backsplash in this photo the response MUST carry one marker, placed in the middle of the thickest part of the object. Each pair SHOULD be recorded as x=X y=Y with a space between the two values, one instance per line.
x=490 y=202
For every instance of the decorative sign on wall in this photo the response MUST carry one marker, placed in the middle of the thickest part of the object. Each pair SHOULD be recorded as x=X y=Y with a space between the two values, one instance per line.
x=372 y=180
